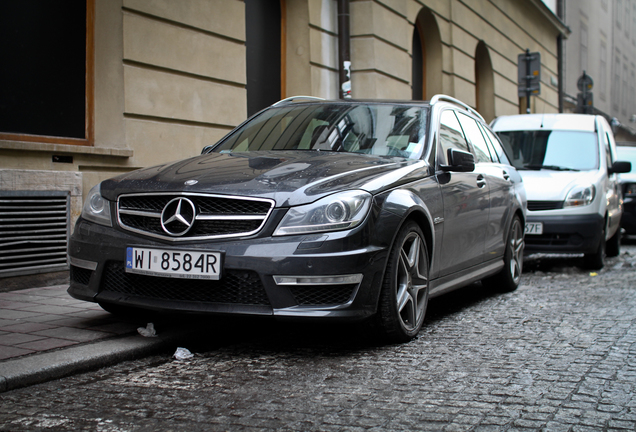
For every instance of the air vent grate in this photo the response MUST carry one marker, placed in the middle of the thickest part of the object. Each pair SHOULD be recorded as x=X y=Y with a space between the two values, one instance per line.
x=34 y=228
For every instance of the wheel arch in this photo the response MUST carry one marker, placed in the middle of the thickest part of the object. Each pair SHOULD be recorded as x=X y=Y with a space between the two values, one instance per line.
x=408 y=206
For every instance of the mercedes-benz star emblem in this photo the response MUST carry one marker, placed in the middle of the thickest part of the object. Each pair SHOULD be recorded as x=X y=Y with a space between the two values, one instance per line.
x=178 y=216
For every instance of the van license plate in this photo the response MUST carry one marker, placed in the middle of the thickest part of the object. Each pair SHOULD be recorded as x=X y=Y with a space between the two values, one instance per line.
x=534 y=228
x=185 y=264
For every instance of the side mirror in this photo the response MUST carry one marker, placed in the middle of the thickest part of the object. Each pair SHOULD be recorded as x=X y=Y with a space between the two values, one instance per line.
x=620 y=167
x=459 y=161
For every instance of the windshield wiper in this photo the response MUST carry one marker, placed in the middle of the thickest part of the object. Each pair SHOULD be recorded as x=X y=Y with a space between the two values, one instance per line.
x=549 y=167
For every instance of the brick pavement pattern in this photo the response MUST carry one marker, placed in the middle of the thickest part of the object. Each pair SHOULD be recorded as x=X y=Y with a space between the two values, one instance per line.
x=559 y=354
x=42 y=319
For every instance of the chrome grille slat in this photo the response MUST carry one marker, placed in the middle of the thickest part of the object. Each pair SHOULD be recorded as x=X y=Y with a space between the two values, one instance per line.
x=217 y=216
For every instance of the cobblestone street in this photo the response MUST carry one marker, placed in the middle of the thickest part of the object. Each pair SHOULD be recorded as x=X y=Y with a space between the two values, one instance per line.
x=559 y=354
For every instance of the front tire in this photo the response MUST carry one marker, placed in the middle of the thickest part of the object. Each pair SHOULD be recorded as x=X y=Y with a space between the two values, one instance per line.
x=404 y=295
x=595 y=260
x=508 y=279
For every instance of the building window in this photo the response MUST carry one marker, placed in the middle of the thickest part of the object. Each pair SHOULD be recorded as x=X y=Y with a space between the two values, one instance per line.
x=632 y=93
x=627 y=20
x=625 y=93
x=602 y=79
x=47 y=90
x=634 y=24
x=583 y=48
x=619 y=13
x=616 y=86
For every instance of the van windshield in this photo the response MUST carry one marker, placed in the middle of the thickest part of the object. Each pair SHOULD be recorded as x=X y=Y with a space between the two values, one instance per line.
x=554 y=150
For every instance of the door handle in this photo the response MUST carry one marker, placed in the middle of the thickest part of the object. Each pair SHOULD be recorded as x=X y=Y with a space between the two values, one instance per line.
x=481 y=181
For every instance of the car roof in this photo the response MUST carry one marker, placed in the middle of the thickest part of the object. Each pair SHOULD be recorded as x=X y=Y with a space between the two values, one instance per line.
x=419 y=103
x=575 y=122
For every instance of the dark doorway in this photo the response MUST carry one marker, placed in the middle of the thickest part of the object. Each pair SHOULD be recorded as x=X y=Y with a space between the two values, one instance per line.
x=43 y=72
x=417 y=72
x=263 y=43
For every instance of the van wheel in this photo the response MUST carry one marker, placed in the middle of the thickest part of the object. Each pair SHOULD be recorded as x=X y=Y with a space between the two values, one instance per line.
x=613 y=247
x=595 y=260
x=404 y=295
x=508 y=279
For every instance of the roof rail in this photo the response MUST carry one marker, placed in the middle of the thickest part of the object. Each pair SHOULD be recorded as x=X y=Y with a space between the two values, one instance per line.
x=295 y=98
x=441 y=97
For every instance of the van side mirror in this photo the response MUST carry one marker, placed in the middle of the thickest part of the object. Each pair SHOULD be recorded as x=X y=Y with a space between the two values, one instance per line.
x=459 y=161
x=620 y=167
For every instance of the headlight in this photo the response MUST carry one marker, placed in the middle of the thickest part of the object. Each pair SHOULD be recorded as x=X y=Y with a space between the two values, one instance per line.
x=340 y=211
x=580 y=196
x=96 y=209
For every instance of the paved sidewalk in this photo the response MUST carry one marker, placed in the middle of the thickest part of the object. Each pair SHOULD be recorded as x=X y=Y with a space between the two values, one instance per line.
x=46 y=334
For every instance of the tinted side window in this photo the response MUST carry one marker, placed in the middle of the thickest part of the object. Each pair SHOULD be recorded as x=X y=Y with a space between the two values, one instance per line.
x=475 y=137
x=450 y=135
x=496 y=144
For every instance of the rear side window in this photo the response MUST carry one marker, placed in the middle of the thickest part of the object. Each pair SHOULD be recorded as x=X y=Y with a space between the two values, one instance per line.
x=450 y=135
x=475 y=137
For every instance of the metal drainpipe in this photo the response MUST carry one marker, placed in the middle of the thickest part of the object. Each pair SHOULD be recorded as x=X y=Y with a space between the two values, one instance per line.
x=560 y=54
x=344 y=55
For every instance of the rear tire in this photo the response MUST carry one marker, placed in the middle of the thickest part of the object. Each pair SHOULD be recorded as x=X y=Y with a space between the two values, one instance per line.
x=613 y=246
x=508 y=279
x=404 y=295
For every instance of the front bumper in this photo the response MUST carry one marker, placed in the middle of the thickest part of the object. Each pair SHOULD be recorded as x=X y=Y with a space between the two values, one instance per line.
x=566 y=234
x=261 y=276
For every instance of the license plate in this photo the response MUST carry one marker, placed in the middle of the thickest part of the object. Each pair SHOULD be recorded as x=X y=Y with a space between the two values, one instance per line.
x=534 y=228
x=185 y=264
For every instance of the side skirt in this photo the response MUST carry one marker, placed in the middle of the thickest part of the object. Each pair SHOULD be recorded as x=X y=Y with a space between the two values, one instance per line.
x=465 y=277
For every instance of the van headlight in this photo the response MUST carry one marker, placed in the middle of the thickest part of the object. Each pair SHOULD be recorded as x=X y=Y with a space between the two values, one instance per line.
x=580 y=196
x=96 y=208
x=343 y=210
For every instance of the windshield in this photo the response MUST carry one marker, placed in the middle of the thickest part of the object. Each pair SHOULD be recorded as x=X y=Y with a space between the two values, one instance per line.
x=627 y=154
x=556 y=150
x=382 y=129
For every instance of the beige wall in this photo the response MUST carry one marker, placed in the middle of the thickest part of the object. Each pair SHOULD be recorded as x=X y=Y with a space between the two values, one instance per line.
x=170 y=76
x=169 y=79
x=382 y=32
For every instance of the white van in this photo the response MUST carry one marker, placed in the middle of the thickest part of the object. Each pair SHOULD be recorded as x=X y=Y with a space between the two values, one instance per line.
x=568 y=166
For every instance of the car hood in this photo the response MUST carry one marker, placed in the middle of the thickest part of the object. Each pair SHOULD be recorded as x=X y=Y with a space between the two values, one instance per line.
x=288 y=177
x=547 y=185
x=627 y=178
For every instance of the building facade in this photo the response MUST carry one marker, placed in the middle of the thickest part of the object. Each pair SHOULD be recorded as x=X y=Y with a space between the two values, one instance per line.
x=150 y=81
x=603 y=45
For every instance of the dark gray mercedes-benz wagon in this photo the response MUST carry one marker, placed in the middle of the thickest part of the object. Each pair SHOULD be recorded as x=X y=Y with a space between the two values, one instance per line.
x=311 y=209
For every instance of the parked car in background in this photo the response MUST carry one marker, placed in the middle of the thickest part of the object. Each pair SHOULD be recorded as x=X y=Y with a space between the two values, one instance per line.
x=311 y=209
x=627 y=152
x=569 y=166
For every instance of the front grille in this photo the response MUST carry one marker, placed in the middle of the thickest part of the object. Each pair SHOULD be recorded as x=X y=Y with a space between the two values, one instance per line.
x=547 y=240
x=323 y=295
x=216 y=216
x=80 y=275
x=544 y=205
x=33 y=231
x=235 y=287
